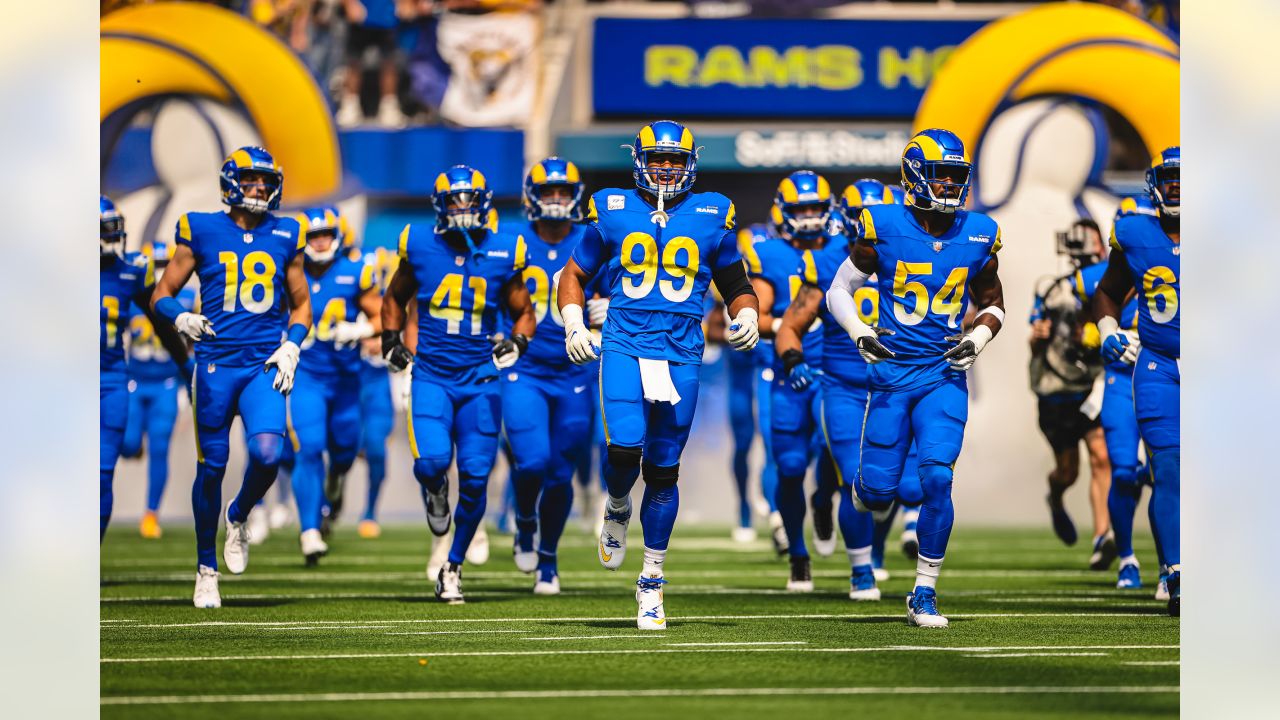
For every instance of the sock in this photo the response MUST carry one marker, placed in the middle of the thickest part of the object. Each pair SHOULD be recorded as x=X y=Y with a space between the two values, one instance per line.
x=792 y=507
x=823 y=496
x=553 y=513
x=377 y=473
x=526 y=486
x=1122 y=504
x=157 y=469
x=658 y=517
x=1155 y=533
x=468 y=515
x=1129 y=559
x=616 y=505
x=308 y=488
x=769 y=484
x=927 y=571
x=265 y=451
x=653 y=560
x=206 y=506
x=547 y=566
x=741 y=476
x=859 y=556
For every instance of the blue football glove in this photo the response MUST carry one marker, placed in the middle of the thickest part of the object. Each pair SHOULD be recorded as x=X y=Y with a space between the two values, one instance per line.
x=1121 y=346
x=799 y=374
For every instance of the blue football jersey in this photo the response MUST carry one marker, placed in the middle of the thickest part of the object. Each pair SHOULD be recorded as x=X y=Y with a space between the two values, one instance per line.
x=658 y=277
x=242 y=282
x=543 y=263
x=1155 y=264
x=1086 y=281
x=923 y=285
x=117 y=286
x=840 y=358
x=785 y=267
x=148 y=358
x=384 y=262
x=459 y=297
x=335 y=298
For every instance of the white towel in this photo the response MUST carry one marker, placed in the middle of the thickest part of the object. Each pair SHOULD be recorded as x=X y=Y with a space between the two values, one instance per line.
x=655 y=378
x=1092 y=405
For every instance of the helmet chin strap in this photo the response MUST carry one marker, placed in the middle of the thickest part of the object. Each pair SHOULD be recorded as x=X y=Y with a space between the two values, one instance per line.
x=319 y=256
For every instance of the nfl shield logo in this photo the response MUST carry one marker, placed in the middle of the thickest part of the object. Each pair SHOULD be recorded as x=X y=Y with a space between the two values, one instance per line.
x=937 y=246
x=248 y=237
x=212 y=367
x=459 y=261
x=551 y=255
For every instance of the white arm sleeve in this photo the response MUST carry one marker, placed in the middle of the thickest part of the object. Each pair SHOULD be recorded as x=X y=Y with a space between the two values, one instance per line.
x=840 y=299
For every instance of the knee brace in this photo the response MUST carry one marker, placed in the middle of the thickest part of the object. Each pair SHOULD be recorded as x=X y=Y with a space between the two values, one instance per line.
x=266 y=449
x=935 y=481
x=623 y=458
x=661 y=478
x=428 y=468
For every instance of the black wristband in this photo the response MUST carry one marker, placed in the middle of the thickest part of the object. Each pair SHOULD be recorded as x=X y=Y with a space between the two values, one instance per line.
x=792 y=358
x=390 y=340
x=521 y=342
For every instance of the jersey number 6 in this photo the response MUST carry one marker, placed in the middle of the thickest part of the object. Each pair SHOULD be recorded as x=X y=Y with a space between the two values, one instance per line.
x=647 y=266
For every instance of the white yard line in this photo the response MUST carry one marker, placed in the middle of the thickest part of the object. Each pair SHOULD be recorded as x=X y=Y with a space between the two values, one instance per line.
x=1153 y=662
x=1040 y=654
x=457 y=632
x=596 y=637
x=330 y=627
x=637 y=692
x=728 y=644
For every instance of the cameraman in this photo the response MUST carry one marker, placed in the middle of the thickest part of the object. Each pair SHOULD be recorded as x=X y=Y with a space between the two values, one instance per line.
x=1063 y=375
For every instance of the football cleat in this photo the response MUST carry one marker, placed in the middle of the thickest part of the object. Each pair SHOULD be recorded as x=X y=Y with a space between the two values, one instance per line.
x=744 y=535
x=313 y=546
x=862 y=585
x=438 y=517
x=880 y=574
x=207 y=596
x=1162 y=588
x=910 y=542
x=824 y=532
x=651 y=615
x=922 y=608
x=278 y=517
x=548 y=584
x=1062 y=525
x=1104 y=551
x=612 y=547
x=235 y=548
x=149 y=528
x=259 y=525
x=1174 y=583
x=801 y=579
x=439 y=555
x=478 y=550
x=1130 y=575
x=781 y=544
x=334 y=484
x=449 y=584
x=525 y=550
x=369 y=529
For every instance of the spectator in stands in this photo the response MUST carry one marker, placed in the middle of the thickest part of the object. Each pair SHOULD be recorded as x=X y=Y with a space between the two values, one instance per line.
x=372 y=28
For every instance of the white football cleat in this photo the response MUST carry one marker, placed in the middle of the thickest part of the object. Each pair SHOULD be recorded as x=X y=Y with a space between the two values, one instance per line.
x=547 y=587
x=526 y=560
x=278 y=517
x=778 y=533
x=744 y=535
x=313 y=546
x=259 y=526
x=207 y=596
x=478 y=550
x=439 y=555
x=801 y=579
x=880 y=574
x=651 y=615
x=449 y=584
x=862 y=584
x=824 y=532
x=612 y=547
x=922 y=609
x=235 y=548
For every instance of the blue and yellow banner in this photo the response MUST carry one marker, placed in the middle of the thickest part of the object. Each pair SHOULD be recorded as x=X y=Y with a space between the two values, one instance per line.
x=773 y=68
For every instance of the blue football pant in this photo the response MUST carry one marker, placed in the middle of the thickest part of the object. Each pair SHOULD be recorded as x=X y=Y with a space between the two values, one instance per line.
x=548 y=423
x=220 y=393
x=113 y=408
x=153 y=411
x=910 y=474
x=742 y=382
x=377 y=417
x=933 y=416
x=764 y=412
x=1120 y=428
x=658 y=430
x=796 y=417
x=842 y=403
x=325 y=414
x=444 y=416
x=1157 y=384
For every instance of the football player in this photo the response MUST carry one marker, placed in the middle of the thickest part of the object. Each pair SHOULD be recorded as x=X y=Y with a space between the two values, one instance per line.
x=1145 y=258
x=125 y=281
x=546 y=406
x=777 y=269
x=929 y=257
x=249 y=262
x=461 y=272
x=154 y=385
x=377 y=411
x=325 y=405
x=661 y=245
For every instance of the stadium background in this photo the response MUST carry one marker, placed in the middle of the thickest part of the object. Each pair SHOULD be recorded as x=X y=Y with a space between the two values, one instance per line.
x=1060 y=103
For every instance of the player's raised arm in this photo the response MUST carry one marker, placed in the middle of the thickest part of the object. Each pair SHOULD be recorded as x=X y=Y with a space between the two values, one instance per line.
x=400 y=291
x=988 y=294
x=789 y=343
x=853 y=274
x=523 y=322
x=1113 y=289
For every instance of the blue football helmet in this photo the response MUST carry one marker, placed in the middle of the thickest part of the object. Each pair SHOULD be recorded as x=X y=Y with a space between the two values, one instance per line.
x=804 y=203
x=316 y=221
x=899 y=195
x=553 y=171
x=862 y=193
x=666 y=137
x=936 y=157
x=251 y=160
x=471 y=200
x=160 y=252
x=1135 y=205
x=110 y=228
x=1163 y=176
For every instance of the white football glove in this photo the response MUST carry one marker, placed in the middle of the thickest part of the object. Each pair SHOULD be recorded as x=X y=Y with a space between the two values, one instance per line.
x=744 y=331
x=578 y=343
x=194 y=326
x=965 y=353
x=597 y=309
x=509 y=350
x=1117 y=344
x=285 y=361
x=348 y=334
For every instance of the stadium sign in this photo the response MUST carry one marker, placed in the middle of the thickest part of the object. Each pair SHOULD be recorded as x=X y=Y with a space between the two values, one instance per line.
x=774 y=68
x=863 y=149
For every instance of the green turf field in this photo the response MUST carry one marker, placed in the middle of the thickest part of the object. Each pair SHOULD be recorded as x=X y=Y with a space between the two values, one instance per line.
x=362 y=635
